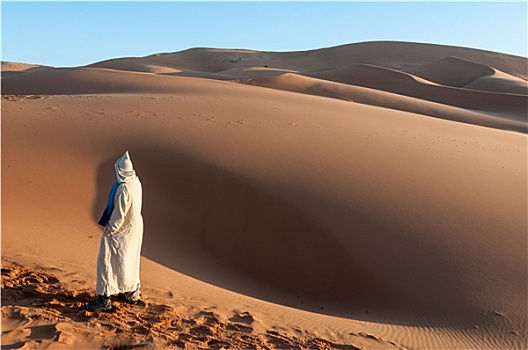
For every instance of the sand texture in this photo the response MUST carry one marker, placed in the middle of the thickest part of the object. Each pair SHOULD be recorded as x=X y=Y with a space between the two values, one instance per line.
x=366 y=196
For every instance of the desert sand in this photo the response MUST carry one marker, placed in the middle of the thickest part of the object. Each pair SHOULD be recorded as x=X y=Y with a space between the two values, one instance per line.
x=366 y=196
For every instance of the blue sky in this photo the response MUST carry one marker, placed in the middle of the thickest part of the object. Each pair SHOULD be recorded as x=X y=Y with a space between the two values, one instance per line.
x=64 y=34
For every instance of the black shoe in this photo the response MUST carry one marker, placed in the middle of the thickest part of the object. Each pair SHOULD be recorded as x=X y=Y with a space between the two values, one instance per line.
x=122 y=297
x=102 y=303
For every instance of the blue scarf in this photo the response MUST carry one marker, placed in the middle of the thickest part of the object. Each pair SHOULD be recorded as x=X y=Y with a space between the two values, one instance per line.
x=109 y=206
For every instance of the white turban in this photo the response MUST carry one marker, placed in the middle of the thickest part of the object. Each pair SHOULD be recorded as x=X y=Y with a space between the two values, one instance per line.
x=124 y=169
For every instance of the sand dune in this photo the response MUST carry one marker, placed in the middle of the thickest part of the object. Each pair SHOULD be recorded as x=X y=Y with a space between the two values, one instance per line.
x=395 y=55
x=451 y=71
x=500 y=82
x=20 y=67
x=13 y=68
x=67 y=81
x=318 y=87
x=202 y=60
x=405 y=84
x=49 y=297
x=308 y=213
x=491 y=84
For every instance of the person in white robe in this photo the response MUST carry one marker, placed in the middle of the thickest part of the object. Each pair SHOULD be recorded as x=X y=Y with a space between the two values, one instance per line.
x=118 y=262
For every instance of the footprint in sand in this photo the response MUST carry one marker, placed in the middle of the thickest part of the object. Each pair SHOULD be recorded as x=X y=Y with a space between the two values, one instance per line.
x=217 y=344
x=159 y=308
x=243 y=317
x=279 y=341
x=206 y=318
x=12 y=318
x=241 y=322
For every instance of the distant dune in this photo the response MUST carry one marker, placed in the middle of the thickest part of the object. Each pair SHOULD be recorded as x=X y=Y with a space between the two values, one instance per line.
x=491 y=83
x=13 y=68
x=370 y=195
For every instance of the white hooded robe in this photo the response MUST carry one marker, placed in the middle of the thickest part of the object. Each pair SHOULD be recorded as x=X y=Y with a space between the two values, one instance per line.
x=120 y=249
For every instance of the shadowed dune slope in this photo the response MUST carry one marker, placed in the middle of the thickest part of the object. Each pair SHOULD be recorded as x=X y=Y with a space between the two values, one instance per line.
x=451 y=71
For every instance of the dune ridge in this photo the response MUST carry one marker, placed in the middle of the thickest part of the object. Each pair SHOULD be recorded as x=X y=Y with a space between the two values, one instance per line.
x=491 y=84
x=395 y=55
x=318 y=210
x=369 y=96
